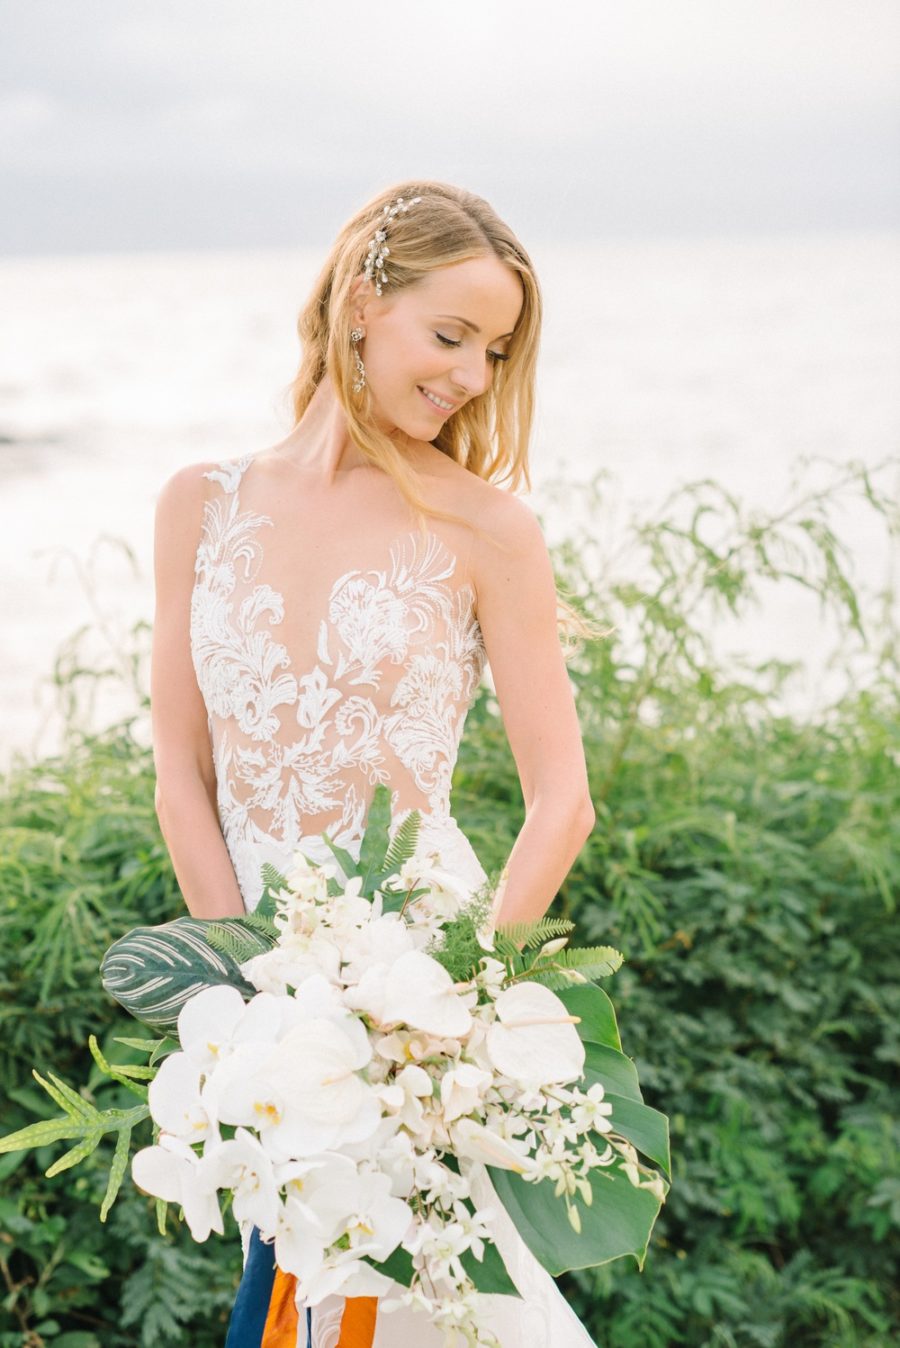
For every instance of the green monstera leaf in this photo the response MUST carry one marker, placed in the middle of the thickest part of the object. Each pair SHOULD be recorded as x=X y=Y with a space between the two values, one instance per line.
x=153 y=971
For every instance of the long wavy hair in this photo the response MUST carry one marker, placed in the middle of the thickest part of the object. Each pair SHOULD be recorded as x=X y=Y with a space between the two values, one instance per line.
x=490 y=434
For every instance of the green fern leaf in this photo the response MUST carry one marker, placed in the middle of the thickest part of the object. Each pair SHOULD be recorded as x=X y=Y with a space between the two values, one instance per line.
x=555 y=979
x=240 y=939
x=403 y=843
x=121 y=1074
x=146 y=1045
x=597 y=961
x=40 y=1134
x=272 y=878
x=116 y=1171
x=569 y=967
x=74 y=1104
x=77 y=1153
x=534 y=934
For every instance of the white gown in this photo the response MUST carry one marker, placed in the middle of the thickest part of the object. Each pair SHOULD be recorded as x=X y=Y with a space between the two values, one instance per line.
x=326 y=669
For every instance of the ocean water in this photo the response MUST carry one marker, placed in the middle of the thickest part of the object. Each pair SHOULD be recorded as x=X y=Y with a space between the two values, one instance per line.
x=661 y=362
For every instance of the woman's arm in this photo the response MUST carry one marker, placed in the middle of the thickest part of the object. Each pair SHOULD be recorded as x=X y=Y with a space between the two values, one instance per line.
x=185 y=775
x=516 y=609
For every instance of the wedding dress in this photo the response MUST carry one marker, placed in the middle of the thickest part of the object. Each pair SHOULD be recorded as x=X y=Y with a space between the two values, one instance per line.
x=320 y=682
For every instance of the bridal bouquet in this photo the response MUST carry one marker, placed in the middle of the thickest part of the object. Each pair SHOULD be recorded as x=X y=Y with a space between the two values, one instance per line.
x=368 y=1070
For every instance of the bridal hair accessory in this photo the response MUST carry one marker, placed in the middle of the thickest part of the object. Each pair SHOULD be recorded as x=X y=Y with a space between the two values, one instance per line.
x=377 y=249
x=360 y=382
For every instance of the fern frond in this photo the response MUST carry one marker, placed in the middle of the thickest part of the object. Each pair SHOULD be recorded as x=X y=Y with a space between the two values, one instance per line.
x=555 y=979
x=403 y=844
x=602 y=960
x=258 y=922
x=116 y=1171
x=533 y=934
x=568 y=967
x=239 y=939
x=123 y=1074
x=272 y=877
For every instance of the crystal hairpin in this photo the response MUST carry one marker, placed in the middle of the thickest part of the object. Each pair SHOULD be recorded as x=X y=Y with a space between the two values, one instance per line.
x=378 y=250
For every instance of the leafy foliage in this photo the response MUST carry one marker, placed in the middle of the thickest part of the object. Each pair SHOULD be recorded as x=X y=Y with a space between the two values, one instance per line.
x=745 y=862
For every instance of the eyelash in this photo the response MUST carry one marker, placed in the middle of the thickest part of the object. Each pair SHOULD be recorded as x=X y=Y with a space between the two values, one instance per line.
x=448 y=341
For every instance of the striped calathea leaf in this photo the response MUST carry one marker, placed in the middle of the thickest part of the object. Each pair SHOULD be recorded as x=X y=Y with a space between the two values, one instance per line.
x=153 y=971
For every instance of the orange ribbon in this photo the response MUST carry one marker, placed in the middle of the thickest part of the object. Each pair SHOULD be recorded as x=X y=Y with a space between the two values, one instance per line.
x=280 y=1331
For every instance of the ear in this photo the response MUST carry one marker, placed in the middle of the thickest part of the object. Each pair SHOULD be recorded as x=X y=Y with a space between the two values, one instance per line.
x=361 y=293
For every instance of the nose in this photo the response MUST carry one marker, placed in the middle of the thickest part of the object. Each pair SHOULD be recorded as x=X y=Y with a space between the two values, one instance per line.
x=471 y=377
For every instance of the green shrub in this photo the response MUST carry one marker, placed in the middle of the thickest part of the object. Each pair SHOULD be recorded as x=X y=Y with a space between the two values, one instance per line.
x=743 y=860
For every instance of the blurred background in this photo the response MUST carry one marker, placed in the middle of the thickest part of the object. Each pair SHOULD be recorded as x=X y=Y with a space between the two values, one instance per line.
x=710 y=193
x=709 y=190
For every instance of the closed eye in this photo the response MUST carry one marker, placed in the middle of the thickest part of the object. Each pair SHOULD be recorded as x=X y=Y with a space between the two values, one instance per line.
x=448 y=341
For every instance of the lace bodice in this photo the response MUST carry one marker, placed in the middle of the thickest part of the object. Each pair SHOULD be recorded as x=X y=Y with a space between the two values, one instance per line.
x=320 y=686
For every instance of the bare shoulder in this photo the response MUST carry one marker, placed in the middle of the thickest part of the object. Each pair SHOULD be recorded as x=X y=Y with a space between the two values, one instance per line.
x=509 y=559
x=183 y=492
x=178 y=523
x=507 y=522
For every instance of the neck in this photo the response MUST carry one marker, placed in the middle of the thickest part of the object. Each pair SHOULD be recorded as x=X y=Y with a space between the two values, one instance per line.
x=320 y=445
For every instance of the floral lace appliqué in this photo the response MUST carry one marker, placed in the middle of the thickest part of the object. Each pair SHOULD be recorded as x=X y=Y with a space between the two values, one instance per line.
x=399 y=655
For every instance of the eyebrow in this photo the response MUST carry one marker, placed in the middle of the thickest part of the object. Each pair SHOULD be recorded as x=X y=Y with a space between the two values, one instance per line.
x=467 y=324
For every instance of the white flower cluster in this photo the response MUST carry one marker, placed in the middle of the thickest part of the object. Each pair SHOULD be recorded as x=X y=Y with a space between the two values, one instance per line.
x=350 y=1079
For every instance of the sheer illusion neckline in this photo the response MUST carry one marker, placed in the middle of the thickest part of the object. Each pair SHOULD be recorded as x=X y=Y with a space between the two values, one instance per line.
x=375 y=688
x=233 y=479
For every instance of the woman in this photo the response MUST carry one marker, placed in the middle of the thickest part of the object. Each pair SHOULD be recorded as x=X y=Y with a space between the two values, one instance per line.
x=329 y=630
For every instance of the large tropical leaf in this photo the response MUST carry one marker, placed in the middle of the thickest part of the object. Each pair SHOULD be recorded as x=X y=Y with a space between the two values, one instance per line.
x=617 y=1223
x=598 y=1017
x=153 y=971
x=645 y=1128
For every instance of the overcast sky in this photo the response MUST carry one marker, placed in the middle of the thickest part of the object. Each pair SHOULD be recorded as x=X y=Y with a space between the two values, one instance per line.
x=145 y=124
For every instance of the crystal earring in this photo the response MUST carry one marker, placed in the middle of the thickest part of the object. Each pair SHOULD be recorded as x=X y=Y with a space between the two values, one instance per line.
x=360 y=382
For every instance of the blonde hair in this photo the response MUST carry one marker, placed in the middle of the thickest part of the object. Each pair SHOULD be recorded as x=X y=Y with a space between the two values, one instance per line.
x=490 y=434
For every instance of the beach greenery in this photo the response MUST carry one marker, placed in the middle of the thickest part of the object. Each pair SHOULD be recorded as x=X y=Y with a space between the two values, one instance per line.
x=744 y=861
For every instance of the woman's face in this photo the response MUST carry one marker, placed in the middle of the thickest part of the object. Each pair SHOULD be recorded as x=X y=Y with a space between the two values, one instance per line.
x=445 y=335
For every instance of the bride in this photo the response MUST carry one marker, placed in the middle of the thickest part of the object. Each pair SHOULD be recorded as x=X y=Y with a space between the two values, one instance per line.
x=325 y=608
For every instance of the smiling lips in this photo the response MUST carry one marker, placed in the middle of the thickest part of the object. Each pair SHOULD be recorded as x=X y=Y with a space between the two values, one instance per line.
x=435 y=399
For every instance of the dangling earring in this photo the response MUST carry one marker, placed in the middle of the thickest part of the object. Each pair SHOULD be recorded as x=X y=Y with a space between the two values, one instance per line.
x=356 y=336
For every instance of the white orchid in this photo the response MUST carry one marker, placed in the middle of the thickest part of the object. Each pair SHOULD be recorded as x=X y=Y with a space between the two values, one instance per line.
x=345 y=1273
x=306 y=1095
x=171 y=1171
x=415 y=991
x=283 y=967
x=402 y=1097
x=215 y=1021
x=380 y=941
x=477 y=1142
x=176 y=1102
x=462 y=1090
x=242 y=1164
x=592 y=1111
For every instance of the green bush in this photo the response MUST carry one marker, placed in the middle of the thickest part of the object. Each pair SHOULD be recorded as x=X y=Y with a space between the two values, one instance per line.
x=743 y=860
